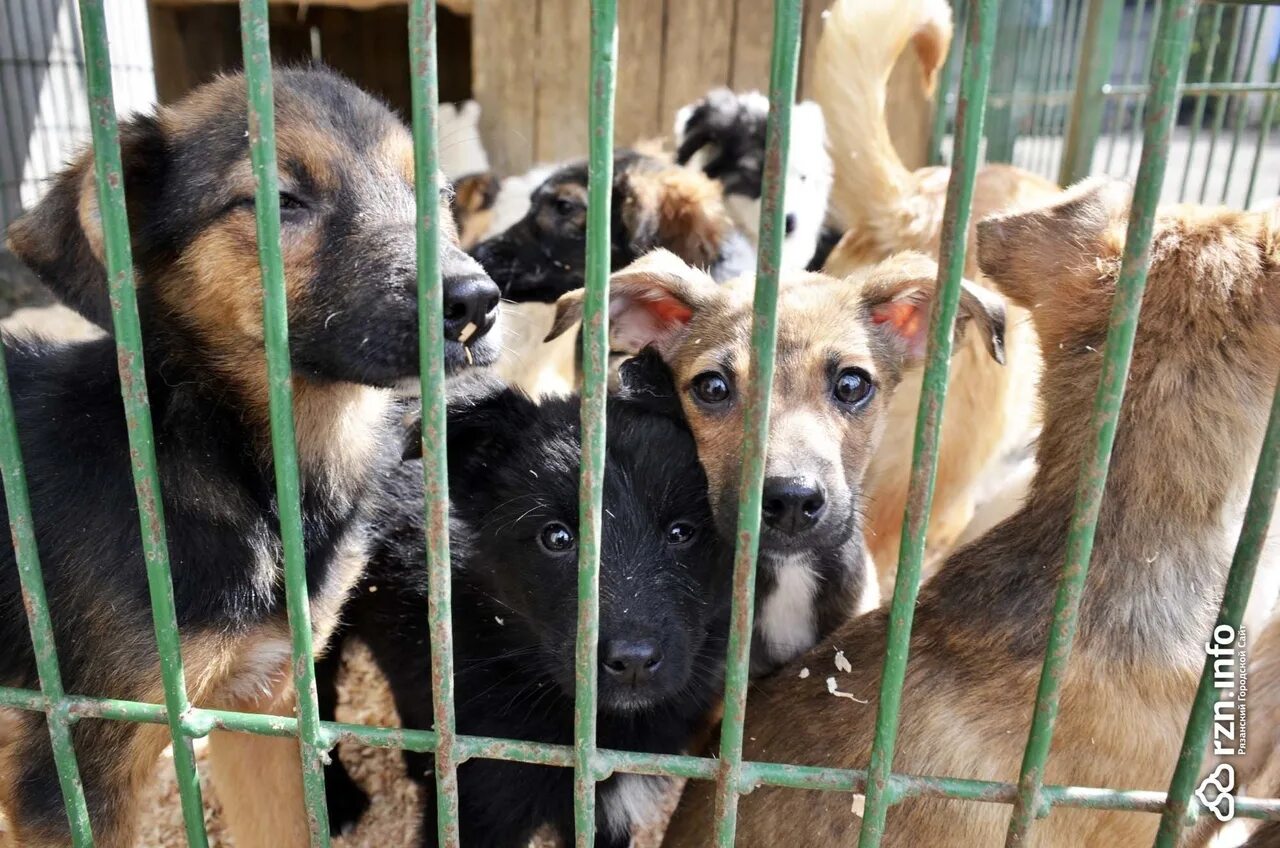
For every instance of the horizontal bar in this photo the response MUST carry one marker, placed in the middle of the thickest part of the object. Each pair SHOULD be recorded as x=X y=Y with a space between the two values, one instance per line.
x=200 y=722
x=1195 y=88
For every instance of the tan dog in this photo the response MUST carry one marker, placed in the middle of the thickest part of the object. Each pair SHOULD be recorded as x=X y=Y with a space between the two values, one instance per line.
x=843 y=347
x=1204 y=370
x=888 y=209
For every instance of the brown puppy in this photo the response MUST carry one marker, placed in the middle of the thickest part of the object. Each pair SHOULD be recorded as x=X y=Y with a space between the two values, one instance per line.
x=348 y=244
x=843 y=347
x=473 y=198
x=1203 y=374
x=888 y=209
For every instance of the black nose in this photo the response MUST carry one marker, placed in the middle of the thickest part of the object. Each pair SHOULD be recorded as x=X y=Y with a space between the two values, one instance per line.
x=631 y=661
x=469 y=301
x=793 y=504
x=790 y=223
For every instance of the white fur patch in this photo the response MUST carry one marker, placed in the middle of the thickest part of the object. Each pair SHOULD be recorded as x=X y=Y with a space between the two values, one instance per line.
x=260 y=670
x=636 y=799
x=787 y=622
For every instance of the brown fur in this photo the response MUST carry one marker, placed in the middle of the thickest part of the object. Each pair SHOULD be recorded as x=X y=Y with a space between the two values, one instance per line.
x=473 y=199
x=1187 y=440
x=888 y=209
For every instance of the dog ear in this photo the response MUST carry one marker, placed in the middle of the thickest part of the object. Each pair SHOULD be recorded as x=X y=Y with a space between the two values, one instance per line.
x=1030 y=253
x=647 y=381
x=483 y=421
x=651 y=302
x=677 y=209
x=61 y=238
x=900 y=297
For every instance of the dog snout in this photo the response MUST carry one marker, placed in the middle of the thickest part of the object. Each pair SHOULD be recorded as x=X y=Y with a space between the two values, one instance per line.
x=790 y=223
x=793 y=504
x=469 y=301
x=632 y=662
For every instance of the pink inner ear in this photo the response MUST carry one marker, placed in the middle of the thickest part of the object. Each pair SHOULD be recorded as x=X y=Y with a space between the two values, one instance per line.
x=907 y=318
x=644 y=320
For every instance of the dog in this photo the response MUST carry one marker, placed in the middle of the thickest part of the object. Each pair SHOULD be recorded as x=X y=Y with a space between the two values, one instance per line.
x=723 y=135
x=843 y=347
x=888 y=209
x=474 y=205
x=656 y=204
x=1187 y=439
x=348 y=245
x=664 y=602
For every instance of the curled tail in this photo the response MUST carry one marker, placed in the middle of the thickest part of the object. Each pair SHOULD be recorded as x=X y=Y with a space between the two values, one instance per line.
x=861 y=41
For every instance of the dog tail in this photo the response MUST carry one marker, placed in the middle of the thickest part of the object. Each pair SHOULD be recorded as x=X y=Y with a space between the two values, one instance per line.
x=860 y=43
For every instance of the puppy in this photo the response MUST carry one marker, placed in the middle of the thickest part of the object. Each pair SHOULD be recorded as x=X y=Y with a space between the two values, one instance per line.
x=723 y=135
x=1187 y=441
x=475 y=197
x=655 y=205
x=348 y=243
x=888 y=209
x=843 y=347
x=664 y=598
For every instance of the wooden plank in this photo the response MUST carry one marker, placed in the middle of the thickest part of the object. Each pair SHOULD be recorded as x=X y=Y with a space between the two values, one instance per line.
x=752 y=45
x=191 y=45
x=504 y=41
x=697 y=52
x=638 y=112
x=564 y=28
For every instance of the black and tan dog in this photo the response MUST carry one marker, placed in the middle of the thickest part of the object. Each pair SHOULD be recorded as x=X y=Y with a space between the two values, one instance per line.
x=656 y=204
x=348 y=242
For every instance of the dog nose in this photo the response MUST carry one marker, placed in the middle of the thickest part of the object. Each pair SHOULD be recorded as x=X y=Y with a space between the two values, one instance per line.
x=793 y=504
x=632 y=661
x=790 y=223
x=469 y=301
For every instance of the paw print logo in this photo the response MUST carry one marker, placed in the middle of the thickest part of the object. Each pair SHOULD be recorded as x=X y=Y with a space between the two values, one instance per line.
x=1223 y=781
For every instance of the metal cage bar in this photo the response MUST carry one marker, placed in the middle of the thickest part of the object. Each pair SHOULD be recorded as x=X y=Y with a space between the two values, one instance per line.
x=975 y=74
x=1169 y=56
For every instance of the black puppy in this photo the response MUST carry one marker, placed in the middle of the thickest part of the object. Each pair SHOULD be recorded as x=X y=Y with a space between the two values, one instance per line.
x=348 y=244
x=656 y=204
x=664 y=597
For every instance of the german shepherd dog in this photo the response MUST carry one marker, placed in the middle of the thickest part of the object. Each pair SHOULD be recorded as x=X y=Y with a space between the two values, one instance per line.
x=348 y=242
x=664 y=600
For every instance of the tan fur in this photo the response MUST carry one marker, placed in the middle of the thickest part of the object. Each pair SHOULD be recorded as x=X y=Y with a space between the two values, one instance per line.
x=1204 y=365
x=888 y=209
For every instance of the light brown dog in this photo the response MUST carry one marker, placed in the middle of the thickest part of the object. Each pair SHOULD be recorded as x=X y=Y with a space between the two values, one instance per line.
x=843 y=347
x=888 y=209
x=1203 y=373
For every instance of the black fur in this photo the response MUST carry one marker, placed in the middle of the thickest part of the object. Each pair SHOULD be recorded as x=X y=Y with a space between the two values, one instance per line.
x=513 y=467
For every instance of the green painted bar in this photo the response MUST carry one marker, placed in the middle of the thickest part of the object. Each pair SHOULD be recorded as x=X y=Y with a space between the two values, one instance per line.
x=1220 y=105
x=1268 y=117
x=941 y=117
x=1000 y=127
x=108 y=175
x=25 y=551
x=1253 y=538
x=1197 y=117
x=974 y=77
x=262 y=149
x=784 y=61
x=595 y=374
x=1084 y=126
x=1169 y=58
x=1238 y=128
x=1066 y=82
x=1197 y=88
x=425 y=98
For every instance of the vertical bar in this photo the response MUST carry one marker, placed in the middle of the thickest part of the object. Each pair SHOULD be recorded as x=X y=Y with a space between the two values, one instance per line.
x=595 y=365
x=787 y=16
x=1197 y=117
x=974 y=76
x=1000 y=128
x=262 y=148
x=1130 y=77
x=1065 y=82
x=109 y=181
x=940 y=112
x=1253 y=535
x=1221 y=100
x=1264 y=132
x=1157 y=17
x=1102 y=31
x=1049 y=46
x=1169 y=57
x=1242 y=105
x=424 y=89
x=38 y=619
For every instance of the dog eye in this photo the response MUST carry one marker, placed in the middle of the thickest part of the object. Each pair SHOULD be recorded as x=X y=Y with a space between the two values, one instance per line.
x=556 y=537
x=564 y=207
x=711 y=388
x=680 y=533
x=853 y=387
x=291 y=202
